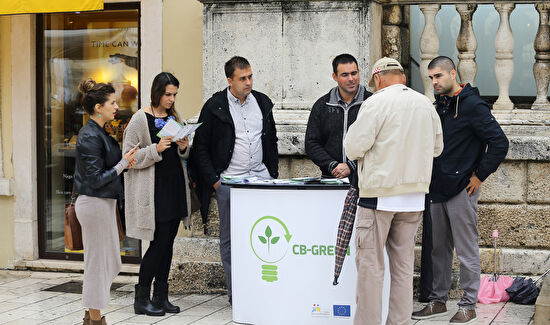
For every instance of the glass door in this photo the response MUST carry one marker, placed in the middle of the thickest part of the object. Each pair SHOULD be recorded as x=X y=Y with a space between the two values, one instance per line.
x=104 y=46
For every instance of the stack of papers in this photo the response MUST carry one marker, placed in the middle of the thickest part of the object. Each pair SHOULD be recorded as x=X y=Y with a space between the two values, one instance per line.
x=295 y=181
x=178 y=131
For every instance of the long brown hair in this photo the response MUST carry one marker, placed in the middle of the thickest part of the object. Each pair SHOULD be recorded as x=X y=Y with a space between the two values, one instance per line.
x=158 y=89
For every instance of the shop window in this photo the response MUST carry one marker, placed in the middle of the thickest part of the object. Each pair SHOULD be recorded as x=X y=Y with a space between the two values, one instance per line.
x=104 y=46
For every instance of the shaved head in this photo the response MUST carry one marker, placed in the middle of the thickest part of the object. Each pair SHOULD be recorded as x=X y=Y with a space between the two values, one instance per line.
x=443 y=62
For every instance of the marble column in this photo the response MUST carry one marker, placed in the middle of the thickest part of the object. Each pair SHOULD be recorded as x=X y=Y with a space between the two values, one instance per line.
x=429 y=45
x=466 y=44
x=504 y=63
x=541 y=68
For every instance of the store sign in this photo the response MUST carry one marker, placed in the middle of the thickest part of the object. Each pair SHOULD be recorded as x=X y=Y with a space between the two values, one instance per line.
x=11 y=7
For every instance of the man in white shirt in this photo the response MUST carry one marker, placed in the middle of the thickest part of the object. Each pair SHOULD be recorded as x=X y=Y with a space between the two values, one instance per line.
x=237 y=138
x=395 y=137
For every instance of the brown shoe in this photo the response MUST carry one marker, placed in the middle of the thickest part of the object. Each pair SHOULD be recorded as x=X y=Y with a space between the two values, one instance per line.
x=464 y=316
x=431 y=310
x=86 y=320
x=99 y=322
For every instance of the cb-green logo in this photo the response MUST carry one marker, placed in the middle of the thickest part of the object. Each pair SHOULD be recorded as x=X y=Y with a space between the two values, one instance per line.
x=269 y=240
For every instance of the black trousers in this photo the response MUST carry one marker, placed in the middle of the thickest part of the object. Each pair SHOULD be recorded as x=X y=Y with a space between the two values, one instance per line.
x=158 y=258
x=426 y=272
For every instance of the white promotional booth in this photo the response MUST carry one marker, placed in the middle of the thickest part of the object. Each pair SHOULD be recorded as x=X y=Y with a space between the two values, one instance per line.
x=283 y=241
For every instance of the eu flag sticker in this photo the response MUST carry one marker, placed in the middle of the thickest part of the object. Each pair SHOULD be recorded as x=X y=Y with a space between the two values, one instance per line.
x=341 y=310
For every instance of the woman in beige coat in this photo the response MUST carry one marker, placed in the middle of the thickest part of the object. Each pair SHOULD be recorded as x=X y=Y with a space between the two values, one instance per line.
x=157 y=193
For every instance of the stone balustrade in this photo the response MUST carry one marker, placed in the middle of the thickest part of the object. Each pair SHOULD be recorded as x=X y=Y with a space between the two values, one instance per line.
x=466 y=45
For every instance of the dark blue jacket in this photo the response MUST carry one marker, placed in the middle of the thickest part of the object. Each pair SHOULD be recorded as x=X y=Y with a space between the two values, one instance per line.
x=472 y=142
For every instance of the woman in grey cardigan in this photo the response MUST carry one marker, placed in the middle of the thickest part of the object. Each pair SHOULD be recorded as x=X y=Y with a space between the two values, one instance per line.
x=157 y=193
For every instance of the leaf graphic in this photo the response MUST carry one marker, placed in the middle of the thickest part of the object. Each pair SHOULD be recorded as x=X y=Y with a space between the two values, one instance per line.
x=274 y=240
x=262 y=239
x=268 y=232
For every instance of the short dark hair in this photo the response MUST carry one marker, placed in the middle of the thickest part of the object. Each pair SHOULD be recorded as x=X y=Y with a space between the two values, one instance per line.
x=342 y=59
x=94 y=93
x=158 y=88
x=443 y=62
x=236 y=62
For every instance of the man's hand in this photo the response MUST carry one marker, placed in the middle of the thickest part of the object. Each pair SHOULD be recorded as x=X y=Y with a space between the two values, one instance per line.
x=216 y=185
x=341 y=170
x=474 y=185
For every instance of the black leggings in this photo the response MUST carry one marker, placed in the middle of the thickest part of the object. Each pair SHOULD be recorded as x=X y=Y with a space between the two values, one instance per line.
x=158 y=258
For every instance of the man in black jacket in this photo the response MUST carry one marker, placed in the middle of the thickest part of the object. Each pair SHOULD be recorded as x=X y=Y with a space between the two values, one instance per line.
x=237 y=138
x=474 y=147
x=331 y=117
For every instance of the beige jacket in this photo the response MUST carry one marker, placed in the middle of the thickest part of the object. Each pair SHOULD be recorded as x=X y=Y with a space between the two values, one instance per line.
x=139 y=181
x=395 y=137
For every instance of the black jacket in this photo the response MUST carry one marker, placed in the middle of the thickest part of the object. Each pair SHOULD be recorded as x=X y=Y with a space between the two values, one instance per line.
x=326 y=129
x=472 y=142
x=96 y=155
x=215 y=139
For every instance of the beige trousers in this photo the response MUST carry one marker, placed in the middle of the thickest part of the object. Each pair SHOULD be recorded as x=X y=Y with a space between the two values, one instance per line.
x=397 y=231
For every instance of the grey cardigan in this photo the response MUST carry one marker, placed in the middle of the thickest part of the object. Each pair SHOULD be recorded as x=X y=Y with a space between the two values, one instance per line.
x=139 y=181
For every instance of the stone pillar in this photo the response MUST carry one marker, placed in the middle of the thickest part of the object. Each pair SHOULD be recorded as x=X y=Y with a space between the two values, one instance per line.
x=395 y=35
x=466 y=44
x=429 y=45
x=504 y=64
x=391 y=34
x=541 y=68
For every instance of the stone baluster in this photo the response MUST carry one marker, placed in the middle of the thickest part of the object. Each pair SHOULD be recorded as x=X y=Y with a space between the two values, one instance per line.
x=466 y=44
x=504 y=63
x=429 y=45
x=541 y=68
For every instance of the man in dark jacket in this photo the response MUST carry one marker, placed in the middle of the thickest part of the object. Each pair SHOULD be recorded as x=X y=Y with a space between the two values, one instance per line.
x=237 y=138
x=474 y=147
x=331 y=117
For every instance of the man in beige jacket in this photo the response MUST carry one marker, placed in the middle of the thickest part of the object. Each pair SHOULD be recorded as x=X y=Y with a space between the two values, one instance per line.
x=395 y=137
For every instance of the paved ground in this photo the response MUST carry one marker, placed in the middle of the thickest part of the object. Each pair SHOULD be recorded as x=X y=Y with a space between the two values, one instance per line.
x=24 y=300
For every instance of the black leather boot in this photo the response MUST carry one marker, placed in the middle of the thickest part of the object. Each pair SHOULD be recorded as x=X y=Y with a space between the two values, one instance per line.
x=142 y=302
x=160 y=298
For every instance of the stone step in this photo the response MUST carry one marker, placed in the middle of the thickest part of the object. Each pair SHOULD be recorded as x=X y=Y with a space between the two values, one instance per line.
x=509 y=260
x=196 y=249
x=209 y=277
x=542 y=306
x=197 y=277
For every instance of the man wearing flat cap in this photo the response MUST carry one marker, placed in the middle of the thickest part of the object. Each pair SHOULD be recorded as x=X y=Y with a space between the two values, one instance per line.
x=394 y=139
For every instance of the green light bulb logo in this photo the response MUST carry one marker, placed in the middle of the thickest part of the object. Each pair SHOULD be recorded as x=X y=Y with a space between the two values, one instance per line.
x=266 y=243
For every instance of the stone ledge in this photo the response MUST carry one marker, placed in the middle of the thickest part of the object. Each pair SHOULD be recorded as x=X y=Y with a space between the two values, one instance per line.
x=509 y=261
x=65 y=266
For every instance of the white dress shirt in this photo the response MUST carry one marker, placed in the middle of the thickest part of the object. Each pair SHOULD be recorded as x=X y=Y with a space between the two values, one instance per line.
x=247 y=153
